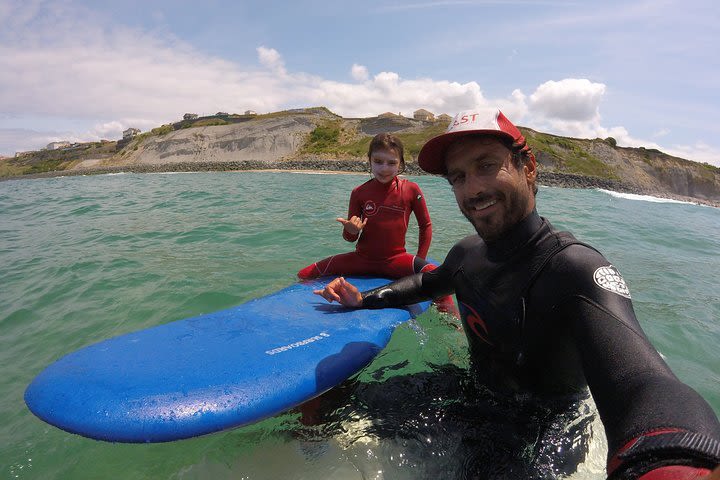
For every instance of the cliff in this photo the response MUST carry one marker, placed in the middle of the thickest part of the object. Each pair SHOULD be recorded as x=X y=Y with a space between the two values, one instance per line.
x=315 y=138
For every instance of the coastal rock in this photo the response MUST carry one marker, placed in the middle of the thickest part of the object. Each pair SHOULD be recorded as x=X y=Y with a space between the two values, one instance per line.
x=317 y=139
x=264 y=140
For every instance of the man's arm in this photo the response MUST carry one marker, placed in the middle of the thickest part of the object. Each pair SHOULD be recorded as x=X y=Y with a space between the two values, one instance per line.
x=652 y=420
x=405 y=291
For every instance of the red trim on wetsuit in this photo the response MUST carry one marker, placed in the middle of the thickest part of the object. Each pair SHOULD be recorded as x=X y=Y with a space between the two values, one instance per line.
x=666 y=472
x=615 y=461
x=676 y=472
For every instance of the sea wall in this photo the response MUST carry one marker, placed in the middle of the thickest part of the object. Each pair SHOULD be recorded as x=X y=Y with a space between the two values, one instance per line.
x=318 y=164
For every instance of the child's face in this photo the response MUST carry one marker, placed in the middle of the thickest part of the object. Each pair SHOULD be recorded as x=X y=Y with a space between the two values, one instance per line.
x=385 y=165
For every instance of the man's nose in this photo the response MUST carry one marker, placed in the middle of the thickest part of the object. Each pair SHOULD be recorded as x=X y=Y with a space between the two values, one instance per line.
x=474 y=184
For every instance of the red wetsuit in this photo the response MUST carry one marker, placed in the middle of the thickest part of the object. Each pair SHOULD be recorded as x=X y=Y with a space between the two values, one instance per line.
x=380 y=249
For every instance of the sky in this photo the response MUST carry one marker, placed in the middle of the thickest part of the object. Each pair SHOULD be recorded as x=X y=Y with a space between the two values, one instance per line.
x=646 y=73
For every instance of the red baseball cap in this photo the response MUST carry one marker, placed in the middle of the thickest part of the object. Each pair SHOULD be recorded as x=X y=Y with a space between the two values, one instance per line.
x=469 y=122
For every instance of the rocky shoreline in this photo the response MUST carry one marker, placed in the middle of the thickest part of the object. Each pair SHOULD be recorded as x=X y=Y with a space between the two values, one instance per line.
x=551 y=179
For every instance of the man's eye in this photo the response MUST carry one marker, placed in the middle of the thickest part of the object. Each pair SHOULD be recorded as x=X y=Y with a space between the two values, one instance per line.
x=456 y=179
x=488 y=167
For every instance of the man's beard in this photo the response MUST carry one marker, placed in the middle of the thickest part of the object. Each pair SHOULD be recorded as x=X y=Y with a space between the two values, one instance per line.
x=495 y=226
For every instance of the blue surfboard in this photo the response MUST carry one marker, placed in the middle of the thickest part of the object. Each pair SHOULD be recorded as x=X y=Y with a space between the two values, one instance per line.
x=216 y=371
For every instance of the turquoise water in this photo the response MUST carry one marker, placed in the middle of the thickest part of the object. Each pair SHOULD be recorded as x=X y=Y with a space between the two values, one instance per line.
x=86 y=258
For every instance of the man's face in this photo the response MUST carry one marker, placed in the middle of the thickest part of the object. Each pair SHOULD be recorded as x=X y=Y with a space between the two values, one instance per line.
x=490 y=191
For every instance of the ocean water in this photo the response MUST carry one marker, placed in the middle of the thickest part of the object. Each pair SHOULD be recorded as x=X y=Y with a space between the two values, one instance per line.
x=86 y=258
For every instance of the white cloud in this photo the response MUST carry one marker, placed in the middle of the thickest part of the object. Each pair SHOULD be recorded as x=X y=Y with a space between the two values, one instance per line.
x=270 y=58
x=55 y=66
x=699 y=152
x=571 y=107
x=21 y=140
x=571 y=99
x=110 y=129
x=360 y=72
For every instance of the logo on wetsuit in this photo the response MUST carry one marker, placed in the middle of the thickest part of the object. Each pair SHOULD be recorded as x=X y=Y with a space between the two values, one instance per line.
x=474 y=321
x=369 y=209
x=610 y=279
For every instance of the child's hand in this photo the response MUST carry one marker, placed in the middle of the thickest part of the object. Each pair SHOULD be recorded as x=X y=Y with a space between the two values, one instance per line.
x=341 y=291
x=354 y=225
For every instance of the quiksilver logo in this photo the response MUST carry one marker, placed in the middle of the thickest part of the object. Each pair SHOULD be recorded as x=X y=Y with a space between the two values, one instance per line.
x=370 y=208
x=610 y=279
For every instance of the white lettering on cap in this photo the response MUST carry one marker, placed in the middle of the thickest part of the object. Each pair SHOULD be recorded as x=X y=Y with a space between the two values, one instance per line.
x=472 y=120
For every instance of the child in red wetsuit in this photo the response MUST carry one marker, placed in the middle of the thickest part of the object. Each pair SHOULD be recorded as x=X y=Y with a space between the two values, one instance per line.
x=378 y=218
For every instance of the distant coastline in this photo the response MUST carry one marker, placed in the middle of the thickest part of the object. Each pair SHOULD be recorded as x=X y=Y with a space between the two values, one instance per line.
x=316 y=139
x=550 y=179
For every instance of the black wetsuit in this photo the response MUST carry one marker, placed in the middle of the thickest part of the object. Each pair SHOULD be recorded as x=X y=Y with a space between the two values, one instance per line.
x=548 y=315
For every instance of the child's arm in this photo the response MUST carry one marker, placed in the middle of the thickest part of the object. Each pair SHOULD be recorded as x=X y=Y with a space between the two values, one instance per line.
x=352 y=227
x=353 y=224
x=425 y=225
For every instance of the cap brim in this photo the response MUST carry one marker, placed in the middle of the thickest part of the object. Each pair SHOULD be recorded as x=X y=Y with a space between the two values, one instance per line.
x=432 y=155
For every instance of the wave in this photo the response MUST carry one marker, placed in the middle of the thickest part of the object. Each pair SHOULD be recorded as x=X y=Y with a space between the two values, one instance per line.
x=644 y=198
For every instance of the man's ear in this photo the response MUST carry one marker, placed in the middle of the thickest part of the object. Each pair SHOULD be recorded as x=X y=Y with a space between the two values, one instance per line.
x=530 y=169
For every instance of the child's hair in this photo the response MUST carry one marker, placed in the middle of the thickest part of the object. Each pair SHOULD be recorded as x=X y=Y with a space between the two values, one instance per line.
x=388 y=141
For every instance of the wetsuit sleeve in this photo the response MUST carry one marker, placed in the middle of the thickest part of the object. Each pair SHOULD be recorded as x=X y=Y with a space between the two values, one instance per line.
x=637 y=395
x=416 y=288
x=354 y=210
x=423 y=218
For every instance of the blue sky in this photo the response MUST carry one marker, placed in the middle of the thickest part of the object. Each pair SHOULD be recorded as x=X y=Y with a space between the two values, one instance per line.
x=644 y=72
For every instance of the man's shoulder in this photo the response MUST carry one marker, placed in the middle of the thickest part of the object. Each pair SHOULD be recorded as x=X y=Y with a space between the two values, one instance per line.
x=581 y=268
x=470 y=242
x=575 y=256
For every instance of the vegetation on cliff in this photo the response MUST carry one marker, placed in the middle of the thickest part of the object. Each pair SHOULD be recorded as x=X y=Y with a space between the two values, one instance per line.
x=317 y=133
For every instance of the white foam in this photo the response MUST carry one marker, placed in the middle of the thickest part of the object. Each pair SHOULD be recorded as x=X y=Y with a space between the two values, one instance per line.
x=644 y=198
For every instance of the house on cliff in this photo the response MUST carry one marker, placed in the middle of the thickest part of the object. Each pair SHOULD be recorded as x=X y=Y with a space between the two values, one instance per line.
x=423 y=115
x=190 y=116
x=57 y=145
x=130 y=132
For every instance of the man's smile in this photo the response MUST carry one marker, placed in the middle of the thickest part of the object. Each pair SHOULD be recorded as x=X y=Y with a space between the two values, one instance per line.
x=478 y=205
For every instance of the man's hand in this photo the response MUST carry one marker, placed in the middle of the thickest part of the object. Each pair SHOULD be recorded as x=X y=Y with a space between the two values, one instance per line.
x=354 y=225
x=341 y=291
x=715 y=475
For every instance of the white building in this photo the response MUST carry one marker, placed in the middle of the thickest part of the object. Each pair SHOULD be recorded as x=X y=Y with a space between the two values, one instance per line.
x=423 y=115
x=56 y=145
x=131 y=132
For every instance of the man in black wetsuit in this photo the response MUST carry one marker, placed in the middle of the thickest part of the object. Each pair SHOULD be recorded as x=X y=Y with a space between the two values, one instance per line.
x=546 y=314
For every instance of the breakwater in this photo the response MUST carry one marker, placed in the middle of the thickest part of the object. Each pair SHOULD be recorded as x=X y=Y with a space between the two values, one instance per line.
x=551 y=179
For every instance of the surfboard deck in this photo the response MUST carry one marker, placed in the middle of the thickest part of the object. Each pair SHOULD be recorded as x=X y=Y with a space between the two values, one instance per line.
x=215 y=371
